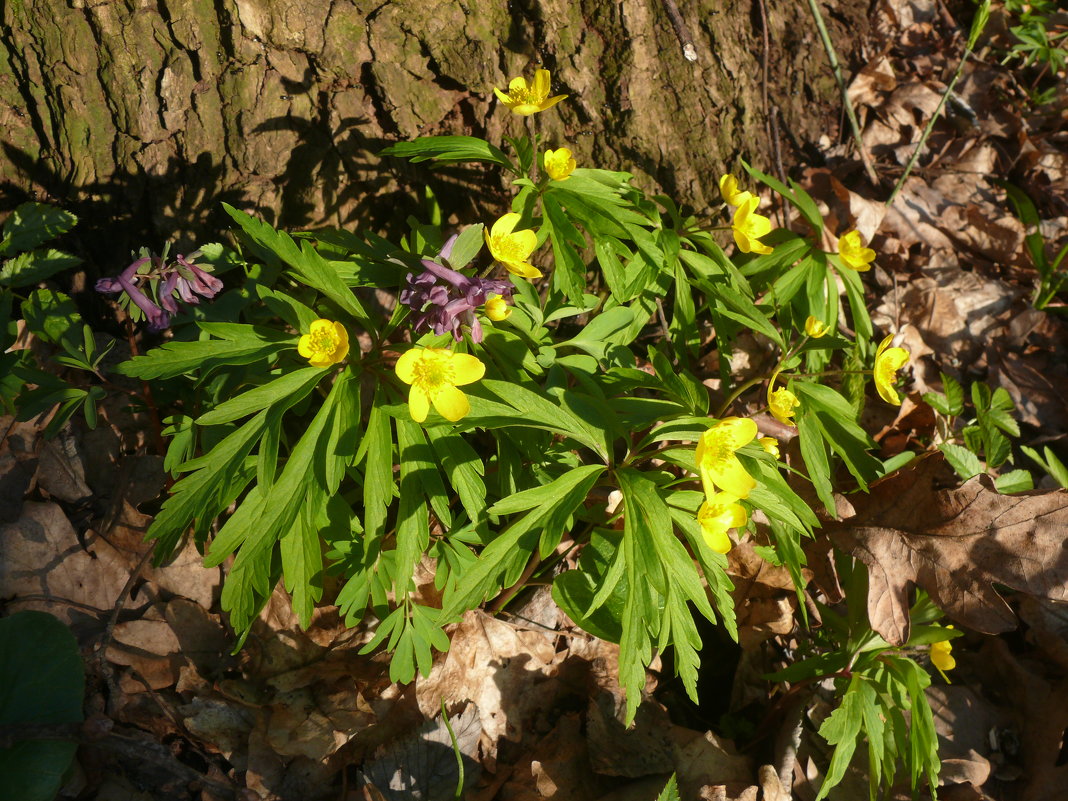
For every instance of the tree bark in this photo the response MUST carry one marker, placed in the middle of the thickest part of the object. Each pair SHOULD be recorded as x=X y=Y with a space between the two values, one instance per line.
x=142 y=115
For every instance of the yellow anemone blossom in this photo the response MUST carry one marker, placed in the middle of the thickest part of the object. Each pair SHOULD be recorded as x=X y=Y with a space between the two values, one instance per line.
x=854 y=254
x=770 y=445
x=942 y=657
x=559 y=163
x=816 y=328
x=717 y=515
x=781 y=403
x=716 y=462
x=748 y=227
x=512 y=248
x=887 y=362
x=728 y=187
x=527 y=100
x=326 y=343
x=497 y=308
x=434 y=375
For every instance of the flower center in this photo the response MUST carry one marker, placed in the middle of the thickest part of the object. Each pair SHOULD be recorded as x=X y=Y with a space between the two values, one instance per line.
x=522 y=96
x=431 y=374
x=324 y=341
x=506 y=248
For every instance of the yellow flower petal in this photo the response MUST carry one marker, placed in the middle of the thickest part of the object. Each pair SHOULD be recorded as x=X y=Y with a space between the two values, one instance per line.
x=770 y=445
x=887 y=362
x=517 y=85
x=728 y=187
x=326 y=343
x=717 y=515
x=504 y=225
x=522 y=269
x=418 y=403
x=716 y=463
x=405 y=367
x=559 y=163
x=451 y=403
x=748 y=226
x=781 y=404
x=816 y=328
x=853 y=253
x=466 y=369
x=497 y=309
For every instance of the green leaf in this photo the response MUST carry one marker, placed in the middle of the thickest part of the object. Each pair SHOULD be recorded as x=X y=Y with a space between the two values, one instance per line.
x=670 y=791
x=35 y=266
x=515 y=545
x=378 y=480
x=842 y=728
x=463 y=468
x=798 y=197
x=291 y=386
x=50 y=314
x=467 y=246
x=43 y=678
x=302 y=560
x=305 y=263
x=1051 y=464
x=965 y=463
x=954 y=394
x=1014 y=481
x=177 y=358
x=449 y=148
x=569 y=273
x=32 y=224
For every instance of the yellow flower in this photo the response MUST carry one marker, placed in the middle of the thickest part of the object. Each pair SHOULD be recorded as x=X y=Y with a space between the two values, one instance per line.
x=887 y=362
x=718 y=514
x=434 y=374
x=559 y=163
x=497 y=308
x=527 y=100
x=748 y=227
x=770 y=445
x=716 y=462
x=325 y=344
x=942 y=657
x=513 y=248
x=854 y=254
x=728 y=187
x=781 y=403
x=816 y=328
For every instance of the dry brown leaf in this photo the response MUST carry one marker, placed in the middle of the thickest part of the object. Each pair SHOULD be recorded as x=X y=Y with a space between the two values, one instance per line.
x=955 y=543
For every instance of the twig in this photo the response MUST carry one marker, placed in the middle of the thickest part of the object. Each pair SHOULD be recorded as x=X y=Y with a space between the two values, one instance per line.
x=825 y=37
x=682 y=33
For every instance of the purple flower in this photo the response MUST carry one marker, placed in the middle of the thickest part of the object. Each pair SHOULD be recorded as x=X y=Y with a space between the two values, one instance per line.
x=446 y=299
x=190 y=281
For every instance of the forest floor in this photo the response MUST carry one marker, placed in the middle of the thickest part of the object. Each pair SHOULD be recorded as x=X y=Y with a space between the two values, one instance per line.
x=536 y=704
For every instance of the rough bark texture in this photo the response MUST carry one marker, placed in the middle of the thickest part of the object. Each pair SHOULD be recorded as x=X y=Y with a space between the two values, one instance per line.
x=147 y=113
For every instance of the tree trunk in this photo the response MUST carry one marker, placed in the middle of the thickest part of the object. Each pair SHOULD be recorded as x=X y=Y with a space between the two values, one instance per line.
x=142 y=115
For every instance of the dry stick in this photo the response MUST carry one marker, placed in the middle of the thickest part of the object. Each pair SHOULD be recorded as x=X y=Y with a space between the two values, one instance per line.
x=825 y=37
x=682 y=33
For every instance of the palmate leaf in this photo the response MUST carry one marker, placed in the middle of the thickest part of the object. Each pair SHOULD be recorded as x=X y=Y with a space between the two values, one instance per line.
x=295 y=385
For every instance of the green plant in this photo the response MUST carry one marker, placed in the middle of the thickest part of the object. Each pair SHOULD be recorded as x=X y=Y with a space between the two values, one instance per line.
x=968 y=444
x=1050 y=275
x=50 y=316
x=1039 y=42
x=482 y=422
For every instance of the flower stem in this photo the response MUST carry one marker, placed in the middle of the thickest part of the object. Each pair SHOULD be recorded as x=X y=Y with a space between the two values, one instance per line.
x=837 y=70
